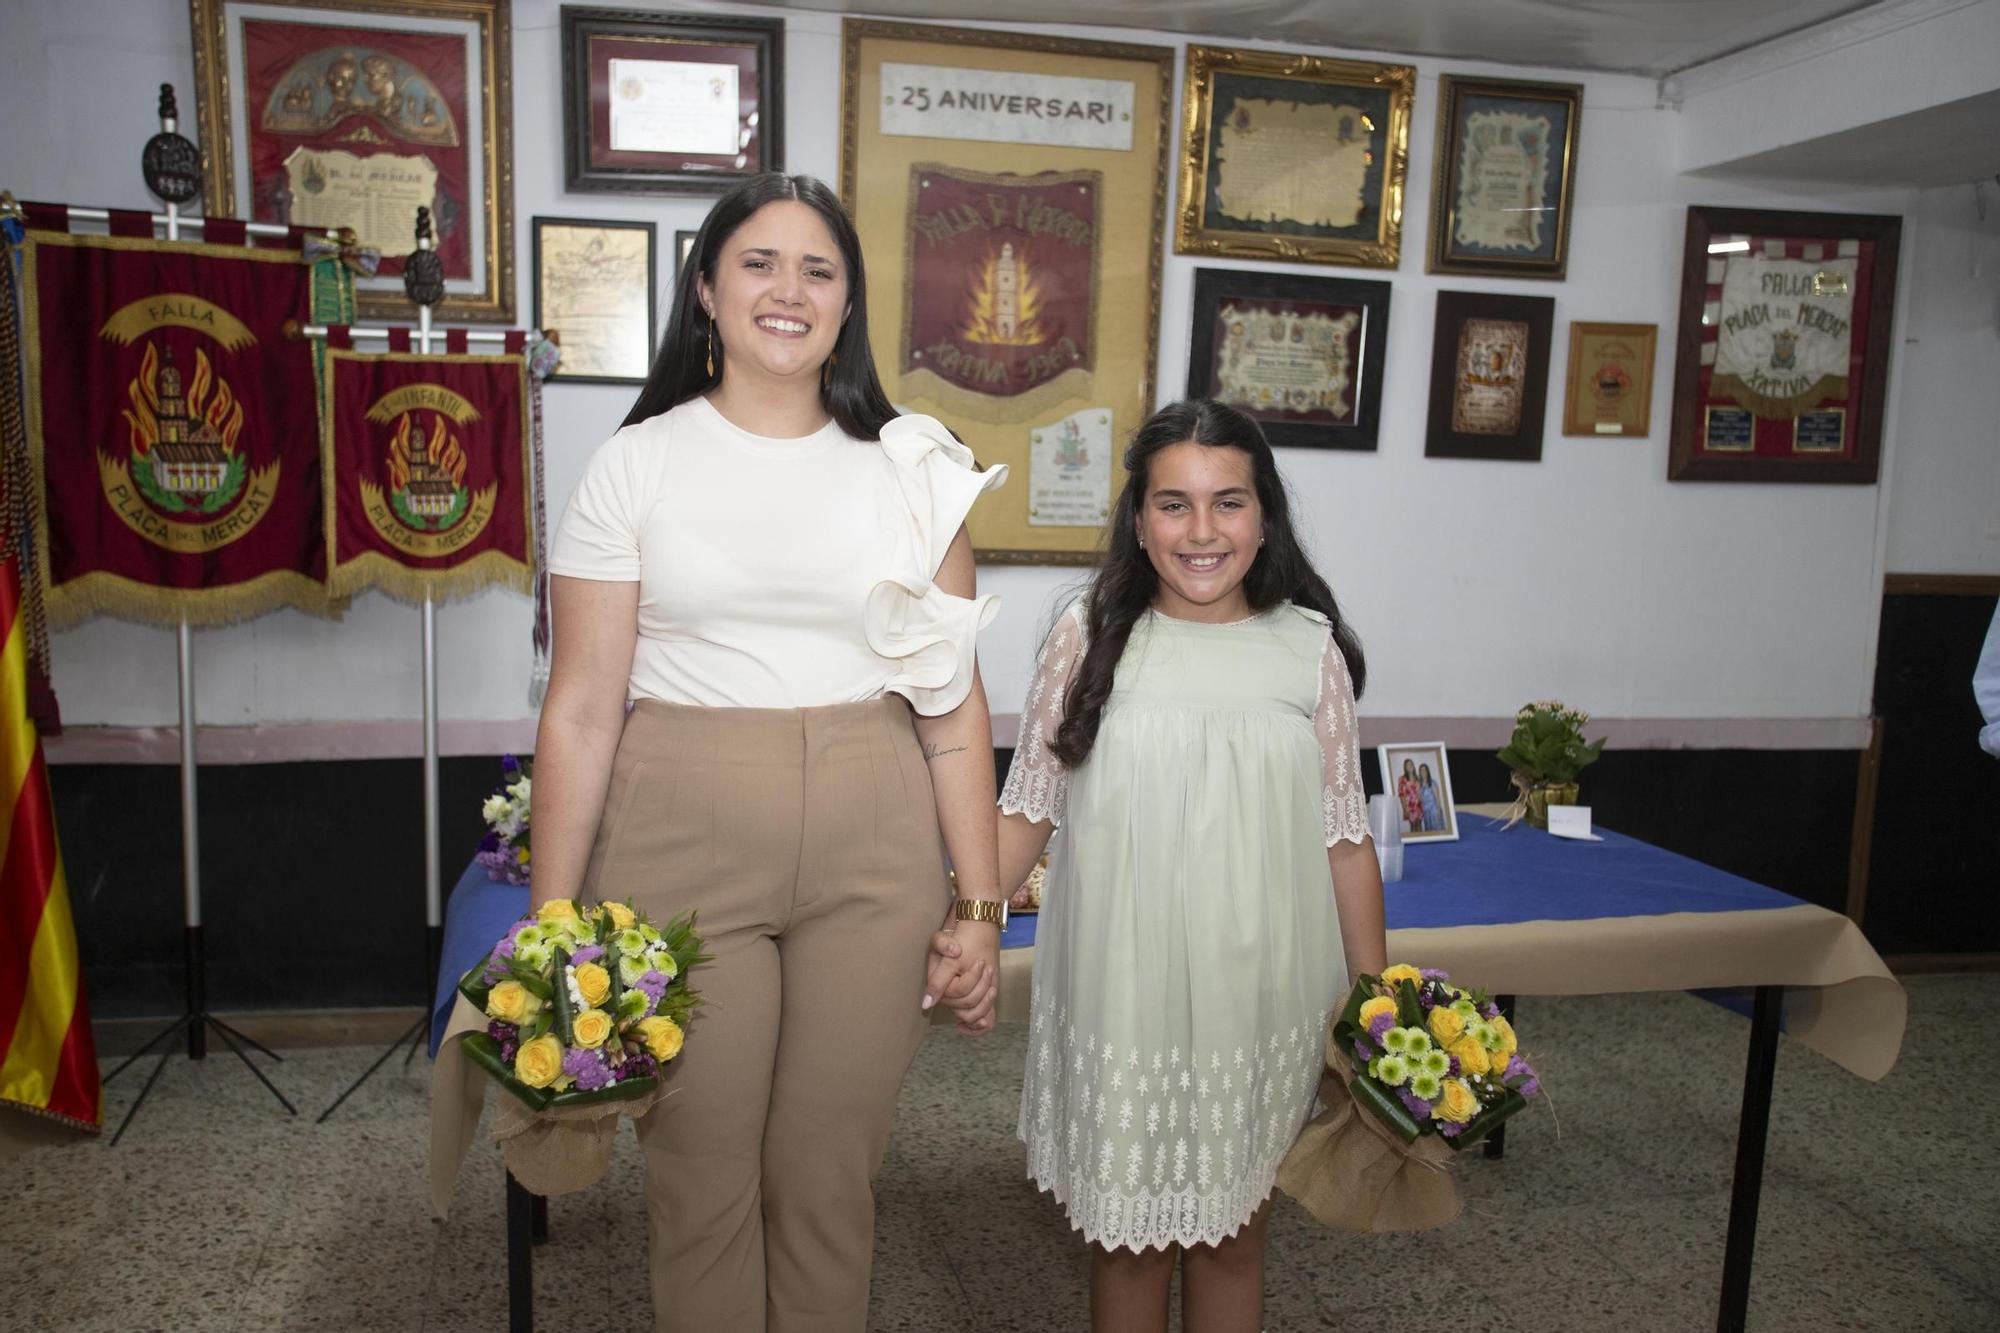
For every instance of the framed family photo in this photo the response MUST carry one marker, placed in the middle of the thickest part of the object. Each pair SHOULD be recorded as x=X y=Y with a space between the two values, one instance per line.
x=1610 y=385
x=1301 y=355
x=1505 y=175
x=1489 y=376
x=594 y=285
x=1417 y=778
x=670 y=103
x=1293 y=157
x=354 y=114
x=1010 y=193
x=1781 y=357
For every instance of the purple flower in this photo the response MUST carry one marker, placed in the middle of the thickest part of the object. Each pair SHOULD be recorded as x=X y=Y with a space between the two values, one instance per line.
x=1451 y=1131
x=509 y=764
x=1531 y=1087
x=637 y=1066
x=499 y=1031
x=1435 y=974
x=654 y=983
x=505 y=947
x=1363 y=1052
x=1414 y=1104
x=587 y=1068
x=1380 y=1024
x=1490 y=1009
x=1453 y=1071
x=490 y=843
x=589 y=953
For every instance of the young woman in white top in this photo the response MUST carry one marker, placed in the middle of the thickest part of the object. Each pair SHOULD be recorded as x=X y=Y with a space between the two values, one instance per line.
x=770 y=565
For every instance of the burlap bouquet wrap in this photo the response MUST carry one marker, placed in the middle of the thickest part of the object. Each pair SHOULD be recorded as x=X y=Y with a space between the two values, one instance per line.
x=1354 y=1173
x=565 y=1148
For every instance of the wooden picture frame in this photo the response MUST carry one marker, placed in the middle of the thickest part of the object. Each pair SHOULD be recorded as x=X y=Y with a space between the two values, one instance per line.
x=1302 y=356
x=1424 y=820
x=1489 y=376
x=1344 y=206
x=1012 y=237
x=593 y=282
x=1504 y=177
x=1609 y=388
x=658 y=103
x=1781 y=353
x=297 y=114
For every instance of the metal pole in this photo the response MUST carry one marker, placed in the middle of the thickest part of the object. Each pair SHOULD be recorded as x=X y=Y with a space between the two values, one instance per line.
x=1745 y=1190
x=433 y=889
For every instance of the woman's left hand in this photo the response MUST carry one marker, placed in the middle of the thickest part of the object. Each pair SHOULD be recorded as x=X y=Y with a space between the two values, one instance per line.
x=965 y=974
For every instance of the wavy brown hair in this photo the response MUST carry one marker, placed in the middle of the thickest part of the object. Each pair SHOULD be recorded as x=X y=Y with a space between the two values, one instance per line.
x=1123 y=588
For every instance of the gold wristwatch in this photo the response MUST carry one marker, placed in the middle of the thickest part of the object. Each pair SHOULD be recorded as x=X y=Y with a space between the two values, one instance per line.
x=981 y=909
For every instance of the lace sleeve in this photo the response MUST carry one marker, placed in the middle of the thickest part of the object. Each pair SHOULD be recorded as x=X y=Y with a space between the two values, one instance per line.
x=1037 y=783
x=1342 y=799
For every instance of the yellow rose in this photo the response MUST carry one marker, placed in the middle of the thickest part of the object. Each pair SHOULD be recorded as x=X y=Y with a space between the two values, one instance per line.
x=1399 y=973
x=511 y=1002
x=593 y=982
x=621 y=916
x=590 y=1028
x=1456 y=1103
x=555 y=909
x=539 y=1062
x=1446 y=1026
x=1508 y=1042
x=662 y=1037
x=1375 y=1008
x=1470 y=1054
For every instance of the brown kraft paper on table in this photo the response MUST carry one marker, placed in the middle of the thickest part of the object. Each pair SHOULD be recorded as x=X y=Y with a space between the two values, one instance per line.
x=1353 y=1173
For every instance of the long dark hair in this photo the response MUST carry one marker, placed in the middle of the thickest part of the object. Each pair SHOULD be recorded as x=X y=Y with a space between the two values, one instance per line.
x=1124 y=585
x=849 y=388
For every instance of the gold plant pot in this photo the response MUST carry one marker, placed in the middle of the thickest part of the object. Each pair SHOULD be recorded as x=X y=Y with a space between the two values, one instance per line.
x=1542 y=795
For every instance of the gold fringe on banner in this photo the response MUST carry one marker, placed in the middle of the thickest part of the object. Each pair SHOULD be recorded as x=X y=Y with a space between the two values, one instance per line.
x=488 y=569
x=920 y=388
x=99 y=593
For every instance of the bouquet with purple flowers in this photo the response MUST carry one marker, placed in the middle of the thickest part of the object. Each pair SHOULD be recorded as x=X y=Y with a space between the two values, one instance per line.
x=584 y=1004
x=504 y=849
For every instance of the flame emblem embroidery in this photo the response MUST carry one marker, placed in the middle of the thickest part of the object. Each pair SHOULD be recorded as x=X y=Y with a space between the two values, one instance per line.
x=1003 y=301
x=426 y=474
x=183 y=435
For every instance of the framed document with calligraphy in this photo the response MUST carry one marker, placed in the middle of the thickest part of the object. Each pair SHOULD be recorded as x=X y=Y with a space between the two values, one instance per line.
x=670 y=103
x=1303 y=356
x=1610 y=388
x=1781 y=359
x=1489 y=376
x=1010 y=193
x=594 y=286
x=352 y=114
x=1506 y=165
x=1293 y=157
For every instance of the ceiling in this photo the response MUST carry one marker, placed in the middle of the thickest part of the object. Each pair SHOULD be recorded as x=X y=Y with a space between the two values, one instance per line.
x=1651 y=37
x=1947 y=144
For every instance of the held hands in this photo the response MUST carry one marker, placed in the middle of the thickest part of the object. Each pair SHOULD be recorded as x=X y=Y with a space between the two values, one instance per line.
x=964 y=974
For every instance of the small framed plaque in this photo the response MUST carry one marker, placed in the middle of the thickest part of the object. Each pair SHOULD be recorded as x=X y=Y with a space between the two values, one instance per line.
x=594 y=286
x=669 y=103
x=1610 y=388
x=1489 y=376
x=1302 y=356
x=1781 y=358
x=1506 y=168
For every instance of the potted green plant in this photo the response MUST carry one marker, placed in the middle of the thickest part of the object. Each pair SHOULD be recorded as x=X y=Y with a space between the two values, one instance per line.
x=1545 y=754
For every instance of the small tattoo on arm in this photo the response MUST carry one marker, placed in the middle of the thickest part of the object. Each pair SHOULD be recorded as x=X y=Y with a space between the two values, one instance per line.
x=932 y=752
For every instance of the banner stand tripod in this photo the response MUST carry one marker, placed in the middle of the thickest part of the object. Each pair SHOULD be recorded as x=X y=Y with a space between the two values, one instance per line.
x=172 y=168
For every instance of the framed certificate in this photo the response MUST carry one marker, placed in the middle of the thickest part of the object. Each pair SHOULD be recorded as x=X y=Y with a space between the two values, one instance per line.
x=1506 y=165
x=1781 y=358
x=355 y=113
x=1303 y=356
x=670 y=103
x=594 y=286
x=1293 y=157
x=1010 y=192
x=1610 y=388
x=1489 y=376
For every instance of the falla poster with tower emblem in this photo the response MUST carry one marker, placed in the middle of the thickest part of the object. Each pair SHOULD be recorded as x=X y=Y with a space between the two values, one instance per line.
x=427 y=471
x=172 y=429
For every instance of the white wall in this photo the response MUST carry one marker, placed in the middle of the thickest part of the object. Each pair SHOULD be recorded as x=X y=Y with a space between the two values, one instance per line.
x=1475 y=585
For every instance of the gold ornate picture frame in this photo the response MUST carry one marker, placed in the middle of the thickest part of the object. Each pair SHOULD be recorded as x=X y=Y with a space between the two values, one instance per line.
x=350 y=113
x=988 y=174
x=1293 y=157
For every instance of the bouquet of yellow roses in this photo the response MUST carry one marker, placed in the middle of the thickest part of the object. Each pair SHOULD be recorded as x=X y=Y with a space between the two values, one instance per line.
x=584 y=1004
x=1416 y=1069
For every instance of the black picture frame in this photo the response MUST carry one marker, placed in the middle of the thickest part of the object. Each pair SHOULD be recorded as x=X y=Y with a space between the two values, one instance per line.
x=590 y=39
x=581 y=355
x=1446 y=438
x=1287 y=294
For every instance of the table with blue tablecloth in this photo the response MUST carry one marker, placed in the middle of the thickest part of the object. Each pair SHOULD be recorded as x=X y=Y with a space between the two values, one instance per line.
x=1512 y=909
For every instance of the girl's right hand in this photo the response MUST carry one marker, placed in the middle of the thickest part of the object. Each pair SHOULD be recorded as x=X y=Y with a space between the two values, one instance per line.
x=962 y=984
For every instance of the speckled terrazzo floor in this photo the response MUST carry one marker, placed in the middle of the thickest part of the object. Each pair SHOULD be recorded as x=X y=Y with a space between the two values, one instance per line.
x=217 y=1213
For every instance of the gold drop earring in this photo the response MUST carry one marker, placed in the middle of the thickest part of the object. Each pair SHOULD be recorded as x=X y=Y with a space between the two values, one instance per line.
x=708 y=361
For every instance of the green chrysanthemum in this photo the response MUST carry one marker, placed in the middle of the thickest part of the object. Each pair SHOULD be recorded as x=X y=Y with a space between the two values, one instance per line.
x=1427 y=1085
x=1435 y=1063
x=1393 y=1070
x=1396 y=1040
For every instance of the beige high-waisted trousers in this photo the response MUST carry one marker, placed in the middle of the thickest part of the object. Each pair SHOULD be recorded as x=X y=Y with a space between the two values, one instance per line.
x=807 y=839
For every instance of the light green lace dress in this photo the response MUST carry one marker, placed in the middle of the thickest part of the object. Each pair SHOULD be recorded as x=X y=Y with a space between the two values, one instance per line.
x=1188 y=952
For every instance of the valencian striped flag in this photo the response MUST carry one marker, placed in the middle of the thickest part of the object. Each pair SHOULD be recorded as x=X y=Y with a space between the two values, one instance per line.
x=49 y=1065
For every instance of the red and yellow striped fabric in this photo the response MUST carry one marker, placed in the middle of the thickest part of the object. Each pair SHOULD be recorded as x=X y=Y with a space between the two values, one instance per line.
x=48 y=1063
